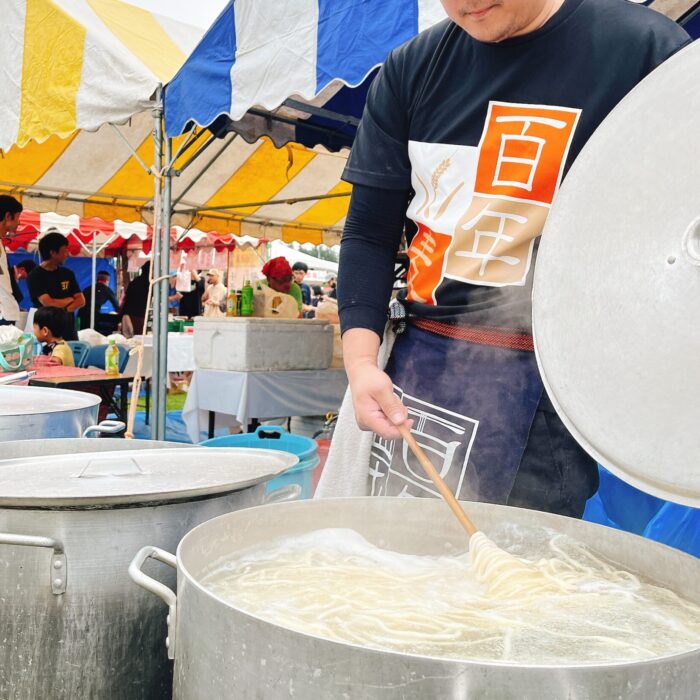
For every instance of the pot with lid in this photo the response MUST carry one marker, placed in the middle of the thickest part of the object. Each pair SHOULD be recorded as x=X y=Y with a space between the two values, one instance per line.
x=28 y=412
x=72 y=625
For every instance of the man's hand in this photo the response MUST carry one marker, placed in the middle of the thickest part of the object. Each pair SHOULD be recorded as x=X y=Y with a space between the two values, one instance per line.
x=377 y=408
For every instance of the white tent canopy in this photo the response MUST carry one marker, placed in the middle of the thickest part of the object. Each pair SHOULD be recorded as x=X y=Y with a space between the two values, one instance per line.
x=277 y=248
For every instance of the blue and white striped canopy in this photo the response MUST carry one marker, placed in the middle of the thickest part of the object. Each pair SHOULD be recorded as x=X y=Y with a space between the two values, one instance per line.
x=254 y=55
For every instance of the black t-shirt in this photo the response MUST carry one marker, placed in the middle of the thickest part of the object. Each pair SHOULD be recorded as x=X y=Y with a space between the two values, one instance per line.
x=58 y=284
x=479 y=137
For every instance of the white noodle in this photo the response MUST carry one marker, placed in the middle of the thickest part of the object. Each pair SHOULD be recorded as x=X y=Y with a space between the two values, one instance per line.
x=569 y=606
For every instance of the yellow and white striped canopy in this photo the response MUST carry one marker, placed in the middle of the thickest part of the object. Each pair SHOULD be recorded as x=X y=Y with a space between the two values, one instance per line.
x=72 y=69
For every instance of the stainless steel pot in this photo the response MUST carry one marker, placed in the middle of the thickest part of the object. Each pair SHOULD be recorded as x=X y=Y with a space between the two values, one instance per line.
x=220 y=651
x=28 y=412
x=72 y=625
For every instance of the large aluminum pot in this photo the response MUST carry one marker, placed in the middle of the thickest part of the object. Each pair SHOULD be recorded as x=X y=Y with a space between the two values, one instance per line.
x=72 y=625
x=36 y=412
x=218 y=648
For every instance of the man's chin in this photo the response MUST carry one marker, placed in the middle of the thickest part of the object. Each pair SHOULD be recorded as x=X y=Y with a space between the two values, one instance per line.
x=490 y=33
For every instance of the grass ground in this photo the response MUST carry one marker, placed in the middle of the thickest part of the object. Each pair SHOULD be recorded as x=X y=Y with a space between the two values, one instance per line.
x=174 y=402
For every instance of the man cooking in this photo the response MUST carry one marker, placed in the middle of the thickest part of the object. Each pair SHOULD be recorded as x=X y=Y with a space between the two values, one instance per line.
x=468 y=131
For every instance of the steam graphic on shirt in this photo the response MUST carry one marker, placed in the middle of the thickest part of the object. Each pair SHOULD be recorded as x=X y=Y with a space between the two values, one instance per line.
x=480 y=209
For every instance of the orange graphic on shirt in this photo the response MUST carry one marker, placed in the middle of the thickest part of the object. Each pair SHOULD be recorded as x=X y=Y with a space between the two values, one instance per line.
x=490 y=241
x=522 y=151
x=426 y=253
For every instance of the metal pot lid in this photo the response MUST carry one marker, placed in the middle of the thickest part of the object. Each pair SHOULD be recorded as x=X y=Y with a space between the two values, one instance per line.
x=32 y=400
x=135 y=477
x=616 y=300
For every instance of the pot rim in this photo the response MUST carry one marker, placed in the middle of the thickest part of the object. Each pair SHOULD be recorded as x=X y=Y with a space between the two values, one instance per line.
x=472 y=663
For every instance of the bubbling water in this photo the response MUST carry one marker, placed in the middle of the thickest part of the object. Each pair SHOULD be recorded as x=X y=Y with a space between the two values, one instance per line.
x=569 y=606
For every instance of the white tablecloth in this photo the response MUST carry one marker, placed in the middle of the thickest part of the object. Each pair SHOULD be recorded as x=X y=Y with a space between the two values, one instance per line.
x=241 y=396
x=180 y=354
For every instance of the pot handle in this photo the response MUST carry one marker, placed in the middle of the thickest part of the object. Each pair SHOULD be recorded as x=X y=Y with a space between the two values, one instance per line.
x=283 y=494
x=106 y=426
x=58 y=567
x=160 y=589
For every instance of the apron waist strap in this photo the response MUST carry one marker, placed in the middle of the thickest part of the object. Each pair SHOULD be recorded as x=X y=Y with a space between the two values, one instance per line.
x=480 y=335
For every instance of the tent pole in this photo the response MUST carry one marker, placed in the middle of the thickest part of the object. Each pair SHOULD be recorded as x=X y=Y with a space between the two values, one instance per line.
x=159 y=323
x=161 y=379
x=94 y=281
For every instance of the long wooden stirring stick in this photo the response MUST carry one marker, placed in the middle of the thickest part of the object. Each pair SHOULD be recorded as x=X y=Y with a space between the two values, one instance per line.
x=441 y=486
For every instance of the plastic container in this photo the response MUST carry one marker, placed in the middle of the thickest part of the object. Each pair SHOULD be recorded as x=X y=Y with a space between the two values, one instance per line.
x=262 y=344
x=247 y=299
x=275 y=437
x=112 y=359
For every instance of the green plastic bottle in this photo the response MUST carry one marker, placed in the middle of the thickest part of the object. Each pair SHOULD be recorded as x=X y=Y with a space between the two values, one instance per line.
x=247 y=299
x=112 y=359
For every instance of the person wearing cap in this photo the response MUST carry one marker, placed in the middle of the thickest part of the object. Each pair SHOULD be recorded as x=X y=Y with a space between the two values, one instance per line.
x=214 y=297
x=280 y=277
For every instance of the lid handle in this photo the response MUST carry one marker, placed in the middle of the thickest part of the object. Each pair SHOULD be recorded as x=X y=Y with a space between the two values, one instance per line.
x=111 y=466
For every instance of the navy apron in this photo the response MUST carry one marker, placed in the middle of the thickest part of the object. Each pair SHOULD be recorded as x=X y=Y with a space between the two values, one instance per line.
x=472 y=394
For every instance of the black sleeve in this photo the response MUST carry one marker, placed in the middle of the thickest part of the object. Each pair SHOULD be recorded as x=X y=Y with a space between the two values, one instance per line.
x=35 y=285
x=665 y=40
x=379 y=156
x=73 y=287
x=370 y=240
x=16 y=291
x=112 y=298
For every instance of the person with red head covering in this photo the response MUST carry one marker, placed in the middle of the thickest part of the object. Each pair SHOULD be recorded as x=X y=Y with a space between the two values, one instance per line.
x=280 y=278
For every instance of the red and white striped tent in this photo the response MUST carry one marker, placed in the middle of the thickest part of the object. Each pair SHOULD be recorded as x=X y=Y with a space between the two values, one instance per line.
x=95 y=236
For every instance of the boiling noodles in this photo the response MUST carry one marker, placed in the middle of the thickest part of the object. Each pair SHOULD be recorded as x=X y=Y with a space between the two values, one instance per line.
x=569 y=606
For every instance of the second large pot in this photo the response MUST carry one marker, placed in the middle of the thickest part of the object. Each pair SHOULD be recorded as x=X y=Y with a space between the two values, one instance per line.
x=221 y=651
x=72 y=625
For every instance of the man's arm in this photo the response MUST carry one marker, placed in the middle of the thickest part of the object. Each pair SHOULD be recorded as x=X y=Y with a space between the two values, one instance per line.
x=77 y=303
x=371 y=238
x=46 y=300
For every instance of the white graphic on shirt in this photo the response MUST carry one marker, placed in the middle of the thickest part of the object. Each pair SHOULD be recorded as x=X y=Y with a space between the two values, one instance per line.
x=447 y=439
x=494 y=237
x=511 y=142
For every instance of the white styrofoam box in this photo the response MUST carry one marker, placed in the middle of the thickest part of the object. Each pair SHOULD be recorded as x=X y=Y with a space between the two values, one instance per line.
x=262 y=344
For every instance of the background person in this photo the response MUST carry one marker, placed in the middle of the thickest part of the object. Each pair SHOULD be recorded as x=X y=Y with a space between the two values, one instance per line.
x=191 y=302
x=103 y=294
x=133 y=308
x=214 y=297
x=279 y=276
x=49 y=322
x=10 y=209
x=51 y=284
x=299 y=271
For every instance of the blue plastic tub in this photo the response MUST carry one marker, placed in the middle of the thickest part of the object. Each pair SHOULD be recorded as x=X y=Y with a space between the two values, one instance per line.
x=275 y=437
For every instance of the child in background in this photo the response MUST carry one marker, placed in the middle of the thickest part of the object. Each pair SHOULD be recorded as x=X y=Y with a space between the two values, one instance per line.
x=49 y=322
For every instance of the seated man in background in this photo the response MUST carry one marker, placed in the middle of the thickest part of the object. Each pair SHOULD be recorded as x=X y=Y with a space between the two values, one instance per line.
x=51 y=284
x=49 y=323
x=103 y=294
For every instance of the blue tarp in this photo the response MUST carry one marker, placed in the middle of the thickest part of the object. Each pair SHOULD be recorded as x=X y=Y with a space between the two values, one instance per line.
x=624 y=507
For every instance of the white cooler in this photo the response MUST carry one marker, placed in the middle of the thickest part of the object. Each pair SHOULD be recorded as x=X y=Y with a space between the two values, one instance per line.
x=262 y=344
